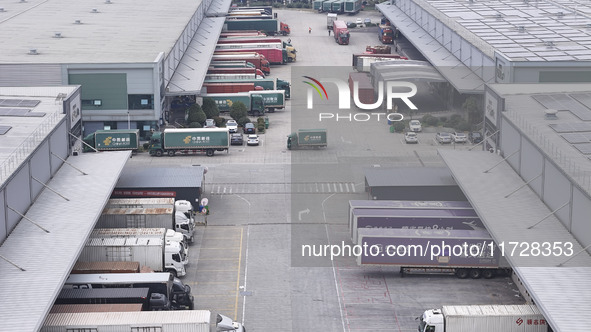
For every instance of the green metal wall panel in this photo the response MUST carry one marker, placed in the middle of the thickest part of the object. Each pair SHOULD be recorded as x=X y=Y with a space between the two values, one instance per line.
x=110 y=89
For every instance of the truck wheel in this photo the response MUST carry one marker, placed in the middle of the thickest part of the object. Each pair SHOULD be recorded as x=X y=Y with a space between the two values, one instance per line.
x=171 y=153
x=173 y=272
x=158 y=153
x=271 y=110
x=475 y=274
x=488 y=274
x=209 y=152
x=462 y=273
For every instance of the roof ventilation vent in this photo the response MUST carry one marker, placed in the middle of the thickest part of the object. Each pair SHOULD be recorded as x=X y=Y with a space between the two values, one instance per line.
x=588 y=25
x=108 y=2
x=499 y=16
x=33 y=51
x=549 y=44
x=526 y=2
x=23 y=1
x=77 y=22
x=94 y=10
x=57 y=35
x=471 y=1
x=550 y=114
x=1 y=9
x=560 y=14
x=521 y=28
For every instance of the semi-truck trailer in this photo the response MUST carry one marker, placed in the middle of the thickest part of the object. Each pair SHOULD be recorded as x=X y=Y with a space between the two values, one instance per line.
x=253 y=101
x=189 y=140
x=465 y=253
x=327 y=5
x=168 y=235
x=272 y=99
x=219 y=76
x=162 y=321
x=230 y=87
x=265 y=83
x=172 y=288
x=330 y=17
x=144 y=203
x=242 y=33
x=364 y=91
x=317 y=5
x=105 y=267
x=338 y=6
x=112 y=140
x=153 y=253
x=142 y=217
x=269 y=27
x=231 y=64
x=257 y=60
x=266 y=9
x=341 y=33
x=112 y=307
x=385 y=34
x=413 y=219
x=273 y=55
x=245 y=70
x=352 y=6
x=112 y=295
x=315 y=138
x=484 y=318
x=238 y=46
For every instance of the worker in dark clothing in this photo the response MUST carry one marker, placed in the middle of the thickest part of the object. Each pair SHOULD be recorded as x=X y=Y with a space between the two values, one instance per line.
x=329 y=32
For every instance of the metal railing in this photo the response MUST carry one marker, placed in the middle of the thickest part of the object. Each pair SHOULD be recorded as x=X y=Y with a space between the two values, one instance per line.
x=23 y=151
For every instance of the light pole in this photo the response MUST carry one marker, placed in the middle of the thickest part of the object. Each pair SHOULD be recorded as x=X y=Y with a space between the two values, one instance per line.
x=128 y=122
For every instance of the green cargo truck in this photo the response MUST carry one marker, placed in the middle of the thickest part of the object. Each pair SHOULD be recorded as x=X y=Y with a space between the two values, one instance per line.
x=265 y=83
x=315 y=138
x=269 y=26
x=112 y=140
x=338 y=7
x=252 y=99
x=189 y=140
x=272 y=99
x=317 y=5
x=352 y=6
x=327 y=6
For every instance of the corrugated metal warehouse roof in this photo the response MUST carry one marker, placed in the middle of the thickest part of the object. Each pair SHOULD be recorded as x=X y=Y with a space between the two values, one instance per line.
x=47 y=257
x=119 y=31
x=557 y=291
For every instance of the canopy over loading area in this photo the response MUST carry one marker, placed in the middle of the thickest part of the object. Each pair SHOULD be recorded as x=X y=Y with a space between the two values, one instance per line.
x=558 y=282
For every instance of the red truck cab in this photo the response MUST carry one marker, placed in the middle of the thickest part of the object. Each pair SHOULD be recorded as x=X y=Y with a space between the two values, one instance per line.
x=341 y=33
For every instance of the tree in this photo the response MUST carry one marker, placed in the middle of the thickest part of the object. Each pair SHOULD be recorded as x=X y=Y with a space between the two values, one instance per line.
x=210 y=108
x=472 y=106
x=243 y=120
x=238 y=110
x=195 y=114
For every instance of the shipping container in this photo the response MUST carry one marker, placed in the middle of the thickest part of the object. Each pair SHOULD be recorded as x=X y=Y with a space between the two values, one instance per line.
x=256 y=60
x=113 y=307
x=105 y=296
x=264 y=83
x=161 y=321
x=268 y=26
x=140 y=203
x=364 y=89
x=105 y=267
x=352 y=6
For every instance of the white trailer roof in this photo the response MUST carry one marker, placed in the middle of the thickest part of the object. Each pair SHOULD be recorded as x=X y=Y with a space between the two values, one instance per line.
x=141 y=318
x=558 y=291
x=47 y=257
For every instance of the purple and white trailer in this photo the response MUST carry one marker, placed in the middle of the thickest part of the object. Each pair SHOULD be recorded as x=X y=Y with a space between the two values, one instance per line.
x=462 y=252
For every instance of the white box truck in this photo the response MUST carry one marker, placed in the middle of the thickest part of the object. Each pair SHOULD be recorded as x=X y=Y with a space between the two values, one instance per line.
x=171 y=237
x=163 y=321
x=148 y=218
x=484 y=318
x=150 y=252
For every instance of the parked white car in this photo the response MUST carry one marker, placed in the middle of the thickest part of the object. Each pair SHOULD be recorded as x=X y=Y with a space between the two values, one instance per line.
x=411 y=137
x=458 y=137
x=415 y=125
x=232 y=126
x=252 y=140
x=359 y=22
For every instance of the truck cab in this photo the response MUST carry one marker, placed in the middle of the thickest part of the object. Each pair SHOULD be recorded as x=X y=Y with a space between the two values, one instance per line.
x=155 y=147
x=431 y=321
x=173 y=259
x=183 y=219
x=291 y=52
x=257 y=104
x=284 y=29
x=172 y=235
x=284 y=85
